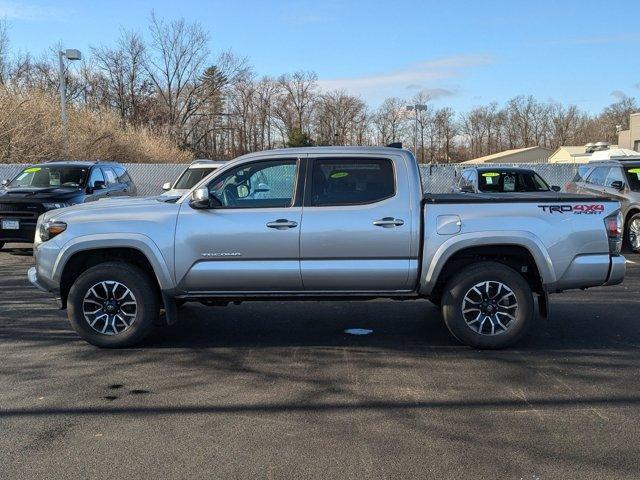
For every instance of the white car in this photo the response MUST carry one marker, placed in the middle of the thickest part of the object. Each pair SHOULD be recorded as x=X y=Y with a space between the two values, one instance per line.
x=190 y=176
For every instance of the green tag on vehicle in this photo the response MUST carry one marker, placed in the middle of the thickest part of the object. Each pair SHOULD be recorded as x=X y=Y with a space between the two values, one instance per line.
x=491 y=174
x=339 y=175
x=634 y=170
x=32 y=170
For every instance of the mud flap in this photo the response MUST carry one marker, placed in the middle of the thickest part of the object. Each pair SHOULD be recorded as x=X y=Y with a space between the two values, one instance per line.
x=170 y=309
x=543 y=305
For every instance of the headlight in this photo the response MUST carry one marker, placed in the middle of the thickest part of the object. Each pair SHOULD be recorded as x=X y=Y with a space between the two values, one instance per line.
x=53 y=206
x=50 y=229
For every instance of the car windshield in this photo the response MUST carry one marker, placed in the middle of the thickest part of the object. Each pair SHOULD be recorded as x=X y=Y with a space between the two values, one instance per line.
x=503 y=181
x=191 y=176
x=44 y=176
x=633 y=174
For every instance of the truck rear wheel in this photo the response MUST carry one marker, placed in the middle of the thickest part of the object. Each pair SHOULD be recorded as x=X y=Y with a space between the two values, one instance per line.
x=113 y=305
x=488 y=305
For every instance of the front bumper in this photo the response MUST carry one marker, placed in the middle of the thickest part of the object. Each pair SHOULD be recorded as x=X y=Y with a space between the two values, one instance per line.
x=32 y=275
x=617 y=270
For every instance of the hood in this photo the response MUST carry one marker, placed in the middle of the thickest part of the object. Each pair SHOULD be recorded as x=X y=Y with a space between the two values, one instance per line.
x=122 y=207
x=39 y=194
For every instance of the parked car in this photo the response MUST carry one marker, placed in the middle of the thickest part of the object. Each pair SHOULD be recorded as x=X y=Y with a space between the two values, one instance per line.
x=329 y=223
x=617 y=179
x=47 y=186
x=501 y=180
x=190 y=176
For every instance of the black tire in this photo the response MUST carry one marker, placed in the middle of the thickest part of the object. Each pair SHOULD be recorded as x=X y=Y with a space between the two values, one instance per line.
x=143 y=290
x=628 y=240
x=1 y=245
x=463 y=282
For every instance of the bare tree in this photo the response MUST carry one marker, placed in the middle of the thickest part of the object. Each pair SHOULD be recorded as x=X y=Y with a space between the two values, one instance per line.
x=174 y=62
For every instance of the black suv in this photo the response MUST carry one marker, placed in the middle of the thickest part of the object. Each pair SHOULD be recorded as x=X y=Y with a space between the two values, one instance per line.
x=46 y=186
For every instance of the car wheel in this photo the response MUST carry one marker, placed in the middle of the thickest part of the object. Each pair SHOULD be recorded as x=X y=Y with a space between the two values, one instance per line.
x=113 y=305
x=633 y=233
x=488 y=305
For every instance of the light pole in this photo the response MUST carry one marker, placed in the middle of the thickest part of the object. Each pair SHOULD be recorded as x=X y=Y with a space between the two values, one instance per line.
x=71 y=55
x=417 y=108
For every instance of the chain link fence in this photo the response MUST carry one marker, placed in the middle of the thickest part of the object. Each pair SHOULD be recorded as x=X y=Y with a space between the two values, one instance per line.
x=436 y=178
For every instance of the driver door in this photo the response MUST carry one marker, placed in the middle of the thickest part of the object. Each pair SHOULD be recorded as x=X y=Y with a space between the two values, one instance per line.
x=249 y=243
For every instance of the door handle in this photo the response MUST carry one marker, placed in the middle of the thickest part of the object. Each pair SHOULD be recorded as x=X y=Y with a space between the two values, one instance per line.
x=388 y=222
x=282 y=224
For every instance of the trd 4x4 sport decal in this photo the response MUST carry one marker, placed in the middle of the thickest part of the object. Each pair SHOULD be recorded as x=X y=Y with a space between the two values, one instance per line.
x=579 y=209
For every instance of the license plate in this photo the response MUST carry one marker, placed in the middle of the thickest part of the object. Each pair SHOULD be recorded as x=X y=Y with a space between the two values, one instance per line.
x=10 y=224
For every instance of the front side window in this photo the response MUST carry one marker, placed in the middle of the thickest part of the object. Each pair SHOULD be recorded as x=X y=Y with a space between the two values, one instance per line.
x=50 y=176
x=615 y=175
x=191 y=176
x=96 y=176
x=633 y=175
x=268 y=184
x=351 y=181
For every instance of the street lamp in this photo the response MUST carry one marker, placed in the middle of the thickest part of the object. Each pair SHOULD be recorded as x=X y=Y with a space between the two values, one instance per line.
x=417 y=108
x=71 y=55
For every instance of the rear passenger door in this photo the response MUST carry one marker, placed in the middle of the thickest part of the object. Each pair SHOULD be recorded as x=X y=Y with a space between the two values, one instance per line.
x=356 y=225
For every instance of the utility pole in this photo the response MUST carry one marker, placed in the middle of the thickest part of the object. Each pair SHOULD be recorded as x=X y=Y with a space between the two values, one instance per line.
x=416 y=108
x=70 y=54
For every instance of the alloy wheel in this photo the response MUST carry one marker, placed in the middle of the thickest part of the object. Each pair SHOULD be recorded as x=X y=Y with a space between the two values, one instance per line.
x=109 y=307
x=489 y=308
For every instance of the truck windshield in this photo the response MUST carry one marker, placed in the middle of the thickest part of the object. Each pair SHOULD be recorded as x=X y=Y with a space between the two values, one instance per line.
x=191 y=176
x=633 y=174
x=511 y=181
x=50 y=176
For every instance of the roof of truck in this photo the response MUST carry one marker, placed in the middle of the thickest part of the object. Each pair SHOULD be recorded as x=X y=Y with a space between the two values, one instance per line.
x=338 y=150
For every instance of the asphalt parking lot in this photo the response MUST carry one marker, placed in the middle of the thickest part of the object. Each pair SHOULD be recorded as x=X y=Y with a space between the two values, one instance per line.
x=278 y=390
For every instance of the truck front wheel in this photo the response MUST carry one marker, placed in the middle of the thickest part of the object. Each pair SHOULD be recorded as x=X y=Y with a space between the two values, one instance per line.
x=113 y=305
x=488 y=305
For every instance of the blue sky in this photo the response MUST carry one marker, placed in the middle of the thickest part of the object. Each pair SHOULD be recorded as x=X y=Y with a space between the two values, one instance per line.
x=465 y=53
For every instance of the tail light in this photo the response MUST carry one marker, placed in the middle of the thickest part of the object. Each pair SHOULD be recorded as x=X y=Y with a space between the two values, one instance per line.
x=613 y=224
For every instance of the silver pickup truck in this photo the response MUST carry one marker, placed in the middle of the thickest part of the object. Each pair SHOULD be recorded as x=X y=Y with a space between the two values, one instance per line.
x=324 y=223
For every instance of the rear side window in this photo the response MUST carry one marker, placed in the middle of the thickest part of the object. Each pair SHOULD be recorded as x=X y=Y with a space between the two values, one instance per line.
x=581 y=174
x=351 y=181
x=123 y=176
x=598 y=176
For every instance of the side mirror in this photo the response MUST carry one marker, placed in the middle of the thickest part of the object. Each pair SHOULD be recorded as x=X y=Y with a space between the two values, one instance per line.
x=618 y=185
x=200 y=199
x=166 y=186
x=98 y=184
x=4 y=183
x=555 y=188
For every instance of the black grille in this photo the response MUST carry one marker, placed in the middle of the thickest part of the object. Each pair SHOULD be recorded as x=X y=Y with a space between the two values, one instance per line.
x=20 y=209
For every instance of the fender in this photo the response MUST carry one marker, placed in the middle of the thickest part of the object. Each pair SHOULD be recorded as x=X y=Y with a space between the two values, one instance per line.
x=482 y=239
x=116 y=240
